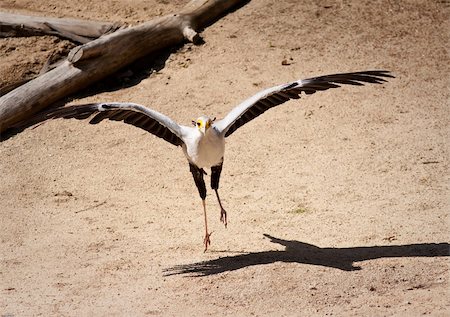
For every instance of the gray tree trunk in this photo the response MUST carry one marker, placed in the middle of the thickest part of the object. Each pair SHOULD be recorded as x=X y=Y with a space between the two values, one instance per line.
x=99 y=58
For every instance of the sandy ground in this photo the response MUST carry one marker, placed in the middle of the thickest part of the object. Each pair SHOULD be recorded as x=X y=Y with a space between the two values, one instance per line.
x=338 y=203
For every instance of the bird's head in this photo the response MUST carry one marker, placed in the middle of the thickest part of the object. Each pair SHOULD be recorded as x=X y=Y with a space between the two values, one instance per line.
x=203 y=123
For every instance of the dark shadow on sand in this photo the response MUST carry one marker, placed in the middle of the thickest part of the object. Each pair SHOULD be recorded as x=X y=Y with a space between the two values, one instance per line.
x=304 y=253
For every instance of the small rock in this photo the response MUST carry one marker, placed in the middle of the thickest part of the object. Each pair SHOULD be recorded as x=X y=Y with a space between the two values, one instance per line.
x=64 y=193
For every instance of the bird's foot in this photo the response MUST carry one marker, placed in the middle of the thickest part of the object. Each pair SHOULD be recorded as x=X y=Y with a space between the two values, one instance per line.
x=207 y=240
x=223 y=216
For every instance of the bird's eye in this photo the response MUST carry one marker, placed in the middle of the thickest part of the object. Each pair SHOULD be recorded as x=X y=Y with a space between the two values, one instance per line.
x=198 y=124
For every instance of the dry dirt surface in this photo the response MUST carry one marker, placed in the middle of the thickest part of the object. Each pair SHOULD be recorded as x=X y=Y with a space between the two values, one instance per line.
x=338 y=203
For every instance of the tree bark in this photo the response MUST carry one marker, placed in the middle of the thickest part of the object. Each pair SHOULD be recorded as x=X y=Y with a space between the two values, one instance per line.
x=99 y=58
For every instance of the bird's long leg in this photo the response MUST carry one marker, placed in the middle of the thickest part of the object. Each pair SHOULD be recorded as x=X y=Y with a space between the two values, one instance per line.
x=197 y=173
x=223 y=213
x=206 y=240
x=215 y=176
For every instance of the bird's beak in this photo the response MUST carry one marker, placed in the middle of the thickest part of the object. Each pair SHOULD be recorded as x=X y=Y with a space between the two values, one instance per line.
x=206 y=126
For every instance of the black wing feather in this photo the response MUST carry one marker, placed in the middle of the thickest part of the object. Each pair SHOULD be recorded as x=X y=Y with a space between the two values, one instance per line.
x=308 y=87
x=128 y=116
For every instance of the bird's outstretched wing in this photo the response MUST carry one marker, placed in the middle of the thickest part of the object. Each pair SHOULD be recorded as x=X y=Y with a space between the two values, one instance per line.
x=131 y=113
x=271 y=97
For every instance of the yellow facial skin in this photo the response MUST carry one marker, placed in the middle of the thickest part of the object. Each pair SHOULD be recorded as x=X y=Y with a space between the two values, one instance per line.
x=203 y=124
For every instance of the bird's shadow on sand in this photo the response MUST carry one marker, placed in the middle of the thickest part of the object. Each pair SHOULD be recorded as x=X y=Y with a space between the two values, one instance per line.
x=304 y=253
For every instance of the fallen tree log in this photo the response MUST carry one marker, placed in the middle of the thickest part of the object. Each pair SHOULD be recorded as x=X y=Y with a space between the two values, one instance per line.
x=97 y=59
x=78 y=31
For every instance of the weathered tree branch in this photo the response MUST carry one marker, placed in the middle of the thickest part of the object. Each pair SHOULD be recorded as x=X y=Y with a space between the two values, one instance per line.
x=99 y=58
x=78 y=31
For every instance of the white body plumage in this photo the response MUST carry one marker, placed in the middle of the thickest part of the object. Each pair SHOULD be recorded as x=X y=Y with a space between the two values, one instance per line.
x=204 y=148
